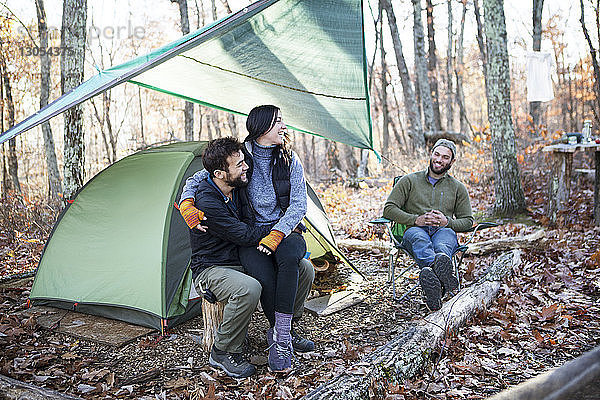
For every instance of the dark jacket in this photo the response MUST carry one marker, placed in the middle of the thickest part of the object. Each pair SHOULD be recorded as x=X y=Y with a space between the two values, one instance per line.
x=226 y=228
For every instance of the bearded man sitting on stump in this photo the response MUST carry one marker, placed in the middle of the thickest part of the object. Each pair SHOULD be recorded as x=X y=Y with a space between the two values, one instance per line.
x=434 y=206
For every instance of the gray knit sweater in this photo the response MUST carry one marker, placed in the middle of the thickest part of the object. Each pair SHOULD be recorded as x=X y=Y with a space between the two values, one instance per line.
x=262 y=193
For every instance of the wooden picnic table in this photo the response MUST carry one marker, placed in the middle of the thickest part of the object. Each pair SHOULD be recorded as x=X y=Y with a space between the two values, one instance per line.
x=560 y=178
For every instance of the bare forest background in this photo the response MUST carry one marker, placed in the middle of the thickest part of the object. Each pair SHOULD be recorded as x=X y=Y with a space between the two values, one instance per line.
x=437 y=88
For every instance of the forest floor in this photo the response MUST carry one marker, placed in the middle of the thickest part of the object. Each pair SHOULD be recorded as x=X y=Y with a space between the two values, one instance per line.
x=547 y=313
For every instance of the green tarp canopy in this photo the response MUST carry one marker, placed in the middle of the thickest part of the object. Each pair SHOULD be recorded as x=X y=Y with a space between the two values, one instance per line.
x=305 y=56
x=122 y=250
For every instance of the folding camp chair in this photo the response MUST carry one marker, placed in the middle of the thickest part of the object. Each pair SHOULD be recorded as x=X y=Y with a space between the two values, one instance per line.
x=396 y=231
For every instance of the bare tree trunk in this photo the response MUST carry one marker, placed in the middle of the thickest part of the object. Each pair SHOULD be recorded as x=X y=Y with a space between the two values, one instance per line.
x=481 y=42
x=432 y=66
x=5 y=183
x=214 y=9
x=142 y=139
x=54 y=184
x=215 y=123
x=459 y=70
x=314 y=157
x=209 y=125
x=100 y=119
x=421 y=68
x=200 y=16
x=333 y=158
x=13 y=164
x=385 y=132
x=594 y=56
x=200 y=118
x=306 y=153
x=449 y=94
x=351 y=163
x=189 y=106
x=572 y=105
x=415 y=129
x=401 y=134
x=226 y=5
x=363 y=170
x=232 y=125
x=71 y=72
x=534 y=106
x=106 y=96
x=510 y=199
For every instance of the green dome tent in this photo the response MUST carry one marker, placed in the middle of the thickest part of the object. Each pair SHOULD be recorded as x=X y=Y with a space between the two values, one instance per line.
x=121 y=249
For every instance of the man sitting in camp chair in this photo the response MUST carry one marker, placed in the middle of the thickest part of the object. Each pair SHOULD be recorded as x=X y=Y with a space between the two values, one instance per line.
x=433 y=206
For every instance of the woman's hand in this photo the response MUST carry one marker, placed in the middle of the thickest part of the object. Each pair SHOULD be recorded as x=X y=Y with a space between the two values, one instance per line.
x=192 y=216
x=264 y=249
x=269 y=243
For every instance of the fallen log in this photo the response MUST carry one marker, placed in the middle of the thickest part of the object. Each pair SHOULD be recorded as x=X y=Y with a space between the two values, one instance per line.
x=570 y=381
x=533 y=240
x=13 y=389
x=363 y=245
x=408 y=353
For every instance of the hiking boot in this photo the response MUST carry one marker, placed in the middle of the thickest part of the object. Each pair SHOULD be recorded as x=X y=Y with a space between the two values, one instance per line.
x=432 y=288
x=442 y=266
x=299 y=344
x=280 y=356
x=233 y=364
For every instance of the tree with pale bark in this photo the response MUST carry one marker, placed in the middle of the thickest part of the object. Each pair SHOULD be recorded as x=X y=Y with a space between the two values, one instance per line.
x=421 y=68
x=510 y=199
x=54 y=184
x=534 y=106
x=414 y=125
x=73 y=34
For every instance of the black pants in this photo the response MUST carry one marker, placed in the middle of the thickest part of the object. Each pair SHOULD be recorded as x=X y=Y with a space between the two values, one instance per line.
x=277 y=274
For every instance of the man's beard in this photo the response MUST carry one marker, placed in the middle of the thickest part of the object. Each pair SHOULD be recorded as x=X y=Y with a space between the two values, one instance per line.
x=237 y=182
x=443 y=170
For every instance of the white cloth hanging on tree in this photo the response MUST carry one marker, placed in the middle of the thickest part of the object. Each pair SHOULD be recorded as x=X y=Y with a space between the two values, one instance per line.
x=539 y=76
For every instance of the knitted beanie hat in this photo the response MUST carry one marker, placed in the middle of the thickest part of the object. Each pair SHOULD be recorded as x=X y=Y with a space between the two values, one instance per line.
x=446 y=143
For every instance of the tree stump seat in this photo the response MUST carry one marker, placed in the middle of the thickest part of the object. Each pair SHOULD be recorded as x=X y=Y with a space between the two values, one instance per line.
x=212 y=316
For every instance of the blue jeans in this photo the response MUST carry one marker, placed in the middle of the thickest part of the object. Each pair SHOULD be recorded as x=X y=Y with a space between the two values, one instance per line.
x=424 y=242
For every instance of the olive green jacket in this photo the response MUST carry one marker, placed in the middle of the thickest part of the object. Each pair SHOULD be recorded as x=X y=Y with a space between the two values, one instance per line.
x=414 y=195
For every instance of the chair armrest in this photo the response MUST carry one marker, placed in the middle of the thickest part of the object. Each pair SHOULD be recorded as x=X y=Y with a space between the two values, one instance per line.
x=478 y=227
x=482 y=225
x=388 y=224
x=380 y=220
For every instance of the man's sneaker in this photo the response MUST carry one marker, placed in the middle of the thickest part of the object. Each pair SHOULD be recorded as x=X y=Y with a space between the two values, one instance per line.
x=442 y=266
x=280 y=356
x=233 y=364
x=432 y=288
x=299 y=344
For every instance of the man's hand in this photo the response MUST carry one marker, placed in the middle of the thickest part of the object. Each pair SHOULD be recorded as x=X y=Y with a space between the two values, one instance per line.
x=422 y=220
x=432 y=218
x=201 y=228
x=439 y=218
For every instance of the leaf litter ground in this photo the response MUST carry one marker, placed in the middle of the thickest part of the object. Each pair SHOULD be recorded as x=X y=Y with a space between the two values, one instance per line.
x=546 y=314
